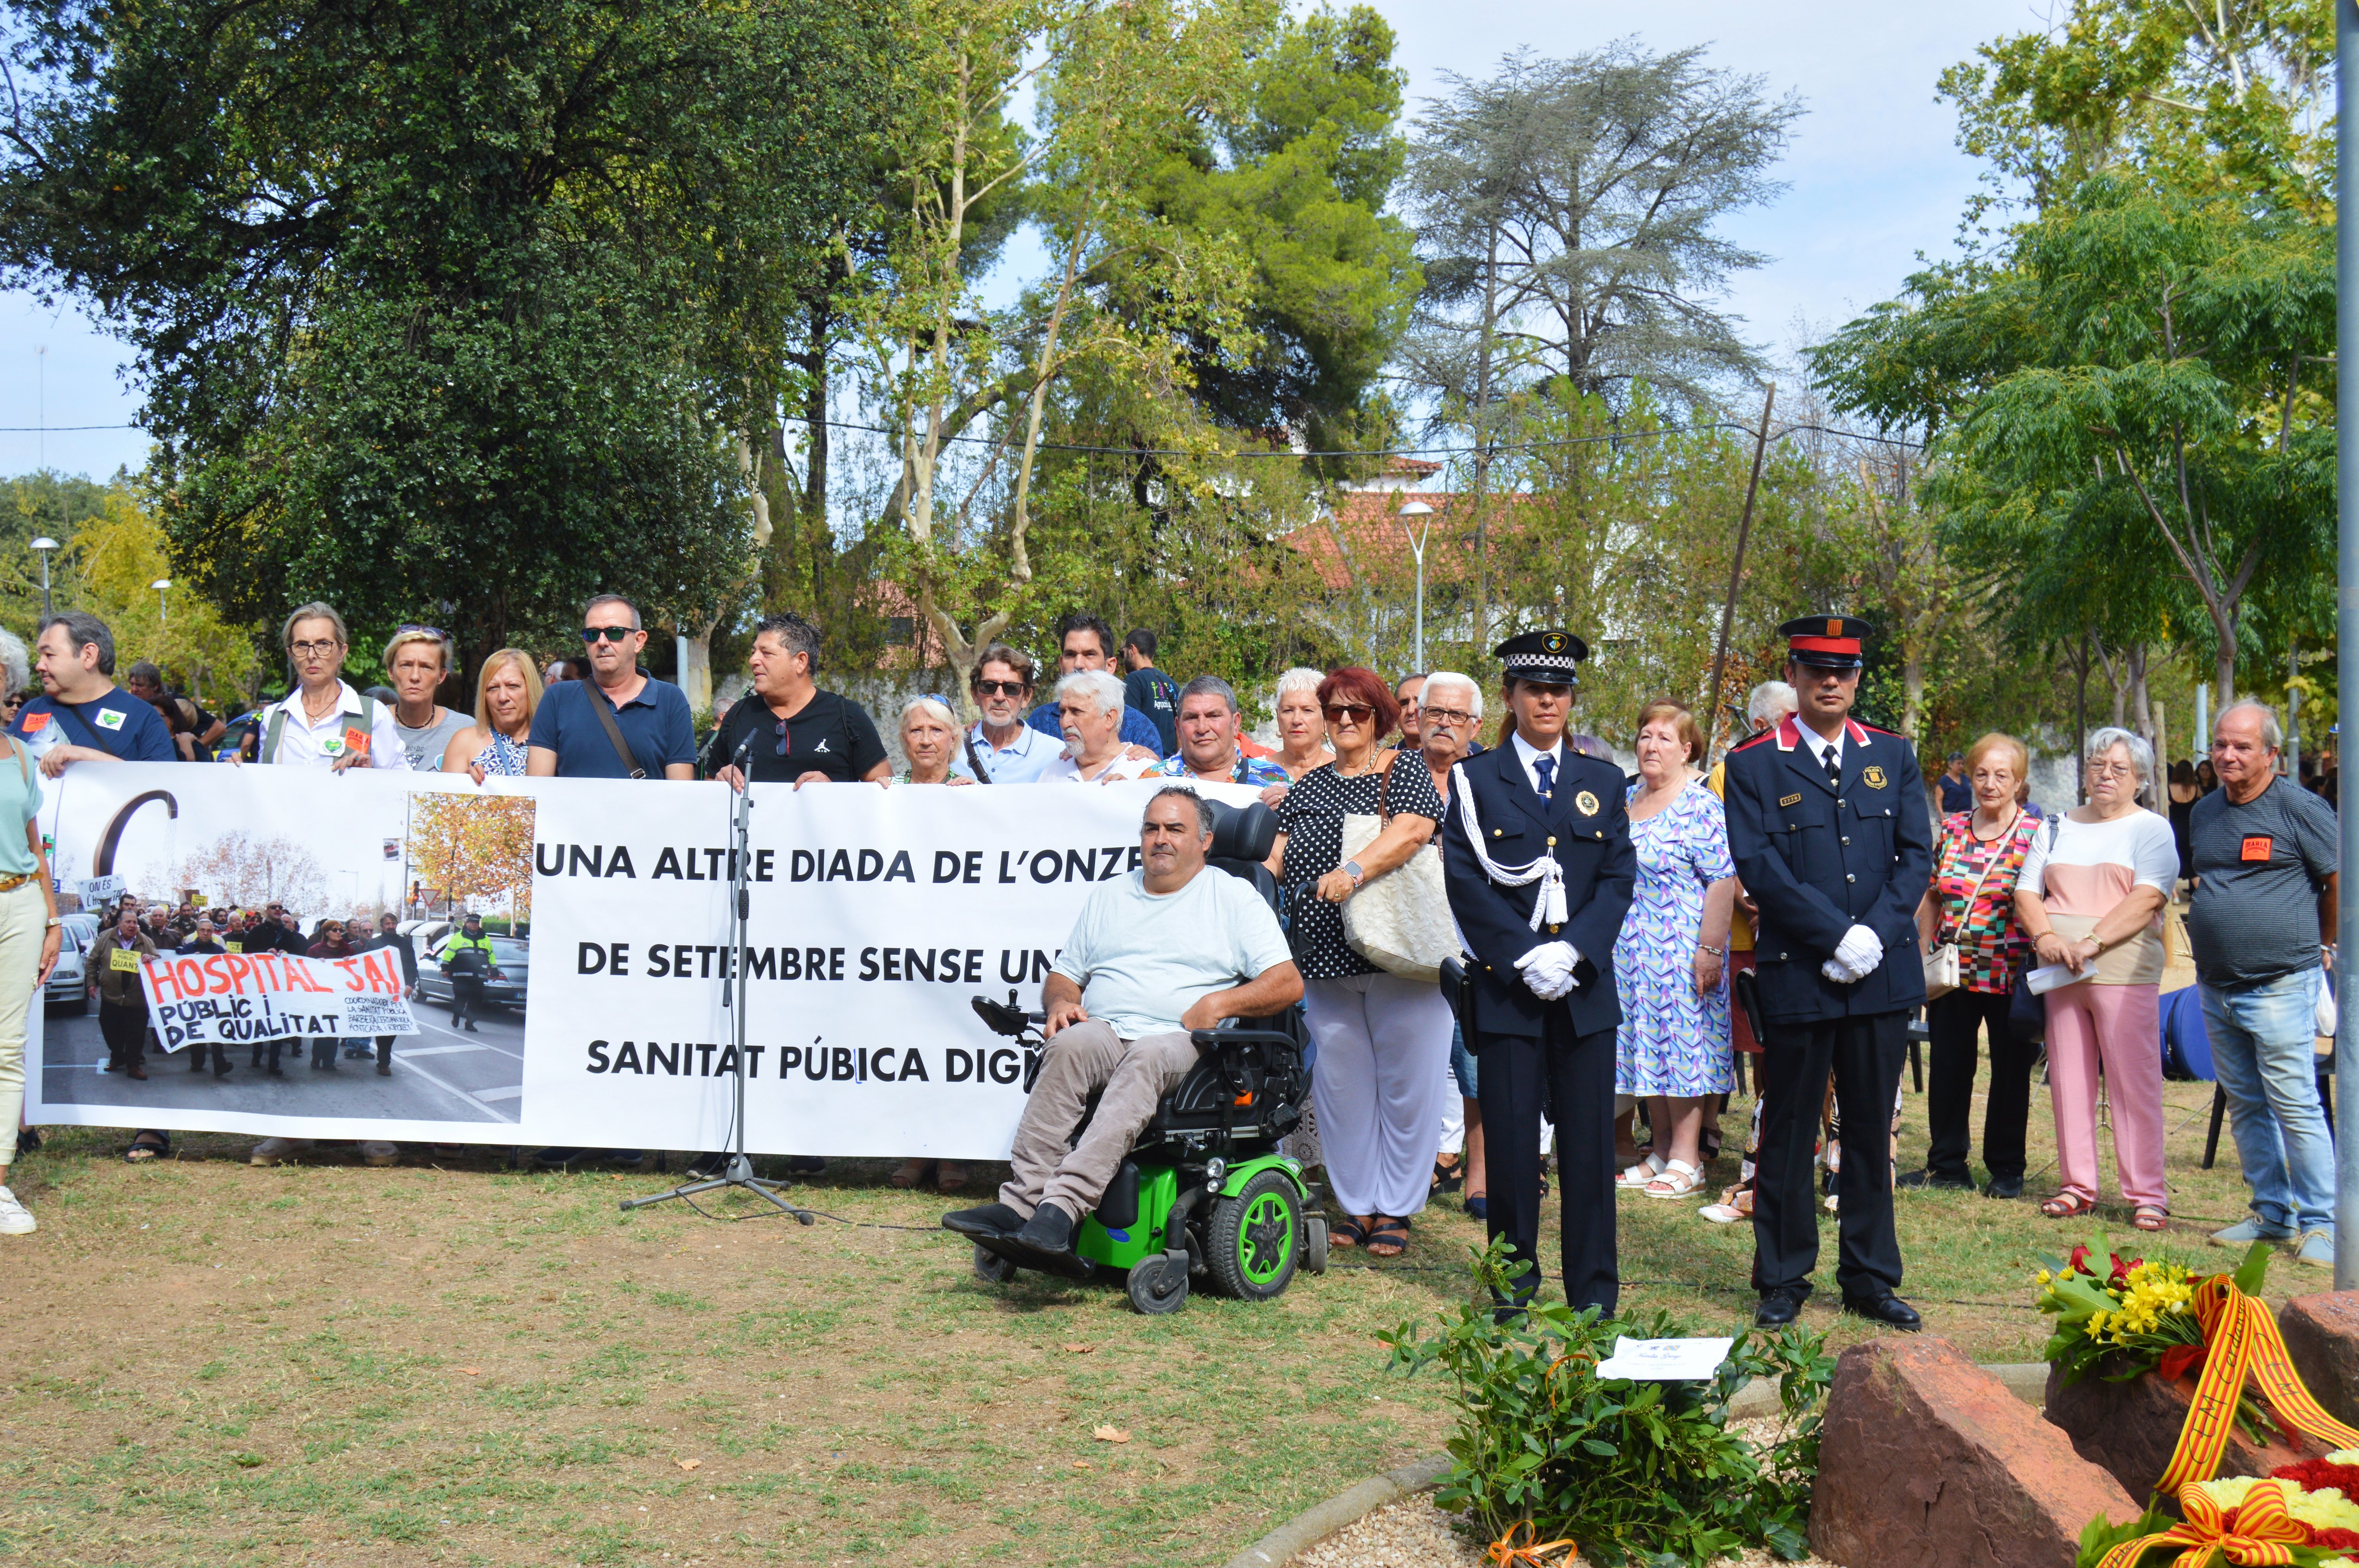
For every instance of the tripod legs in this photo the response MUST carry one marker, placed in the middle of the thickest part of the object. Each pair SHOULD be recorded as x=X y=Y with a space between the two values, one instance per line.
x=739 y=1173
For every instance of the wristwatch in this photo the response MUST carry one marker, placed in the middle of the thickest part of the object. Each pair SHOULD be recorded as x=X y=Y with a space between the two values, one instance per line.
x=1351 y=868
x=55 y=921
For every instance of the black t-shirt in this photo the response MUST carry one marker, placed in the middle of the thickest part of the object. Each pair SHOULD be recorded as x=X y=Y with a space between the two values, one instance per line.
x=831 y=735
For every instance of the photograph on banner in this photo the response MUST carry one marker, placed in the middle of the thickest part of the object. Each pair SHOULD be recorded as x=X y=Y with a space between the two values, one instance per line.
x=259 y=1036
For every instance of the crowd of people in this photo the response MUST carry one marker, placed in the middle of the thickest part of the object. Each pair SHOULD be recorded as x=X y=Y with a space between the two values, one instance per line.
x=1669 y=891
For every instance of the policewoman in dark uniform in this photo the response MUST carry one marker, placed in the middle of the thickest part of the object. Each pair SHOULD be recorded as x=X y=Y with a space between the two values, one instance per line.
x=1541 y=868
x=1828 y=827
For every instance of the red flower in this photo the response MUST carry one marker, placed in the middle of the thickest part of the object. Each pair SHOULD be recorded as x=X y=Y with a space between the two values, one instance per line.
x=2121 y=1275
x=2336 y=1539
x=2316 y=1474
x=2079 y=1262
x=2182 y=1360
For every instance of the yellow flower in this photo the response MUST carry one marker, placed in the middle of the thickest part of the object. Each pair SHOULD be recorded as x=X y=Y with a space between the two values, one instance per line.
x=2042 y=1277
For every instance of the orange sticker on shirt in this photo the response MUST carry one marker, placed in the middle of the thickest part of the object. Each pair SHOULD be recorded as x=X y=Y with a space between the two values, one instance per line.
x=36 y=722
x=356 y=743
x=2256 y=848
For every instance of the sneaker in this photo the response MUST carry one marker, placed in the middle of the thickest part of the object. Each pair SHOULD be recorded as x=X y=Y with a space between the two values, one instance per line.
x=2244 y=1233
x=16 y=1219
x=380 y=1154
x=271 y=1150
x=2317 y=1249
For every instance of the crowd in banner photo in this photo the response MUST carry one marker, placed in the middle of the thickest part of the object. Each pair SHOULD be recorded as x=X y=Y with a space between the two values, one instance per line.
x=402 y=924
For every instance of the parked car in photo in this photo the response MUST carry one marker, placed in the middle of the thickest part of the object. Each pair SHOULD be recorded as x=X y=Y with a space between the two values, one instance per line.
x=511 y=966
x=68 y=983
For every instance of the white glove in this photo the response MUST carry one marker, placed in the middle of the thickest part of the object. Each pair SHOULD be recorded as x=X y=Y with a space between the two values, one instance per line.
x=1855 y=957
x=1548 y=969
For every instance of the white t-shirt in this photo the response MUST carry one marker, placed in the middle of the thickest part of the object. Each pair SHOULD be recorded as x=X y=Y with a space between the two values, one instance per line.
x=1142 y=959
x=2094 y=866
x=1066 y=770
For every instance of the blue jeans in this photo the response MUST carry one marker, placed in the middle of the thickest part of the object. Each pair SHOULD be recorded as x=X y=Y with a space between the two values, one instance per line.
x=1462 y=1063
x=2262 y=1049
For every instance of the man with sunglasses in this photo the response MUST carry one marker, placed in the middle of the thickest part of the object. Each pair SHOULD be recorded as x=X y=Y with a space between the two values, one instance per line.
x=787 y=731
x=644 y=731
x=1002 y=748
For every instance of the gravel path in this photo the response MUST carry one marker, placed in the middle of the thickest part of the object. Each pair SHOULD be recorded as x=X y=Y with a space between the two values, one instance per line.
x=1413 y=1533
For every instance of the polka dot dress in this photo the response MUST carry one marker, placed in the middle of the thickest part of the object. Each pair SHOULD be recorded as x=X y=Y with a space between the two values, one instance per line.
x=1312 y=814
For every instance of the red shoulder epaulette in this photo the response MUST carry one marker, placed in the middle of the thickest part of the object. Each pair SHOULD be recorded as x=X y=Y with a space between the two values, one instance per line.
x=1756 y=741
x=1879 y=729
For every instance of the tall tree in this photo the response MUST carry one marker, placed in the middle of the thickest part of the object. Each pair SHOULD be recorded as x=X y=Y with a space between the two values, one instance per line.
x=441 y=309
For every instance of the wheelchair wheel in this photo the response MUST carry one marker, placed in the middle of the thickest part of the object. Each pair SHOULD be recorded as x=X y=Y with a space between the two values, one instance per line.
x=991 y=1267
x=1158 y=1284
x=1252 y=1238
x=1314 y=1243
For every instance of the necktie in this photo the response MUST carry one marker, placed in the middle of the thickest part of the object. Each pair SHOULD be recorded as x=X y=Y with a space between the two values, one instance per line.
x=1835 y=768
x=1546 y=768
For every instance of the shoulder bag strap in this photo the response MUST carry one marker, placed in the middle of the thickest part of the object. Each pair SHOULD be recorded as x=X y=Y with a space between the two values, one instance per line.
x=605 y=712
x=1385 y=789
x=2000 y=849
x=974 y=760
x=269 y=752
x=65 y=710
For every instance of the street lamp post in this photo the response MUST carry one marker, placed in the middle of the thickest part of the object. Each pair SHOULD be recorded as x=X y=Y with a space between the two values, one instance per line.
x=159 y=585
x=45 y=545
x=1416 y=549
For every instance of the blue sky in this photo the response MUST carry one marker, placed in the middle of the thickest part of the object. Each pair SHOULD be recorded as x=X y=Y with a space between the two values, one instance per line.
x=1874 y=174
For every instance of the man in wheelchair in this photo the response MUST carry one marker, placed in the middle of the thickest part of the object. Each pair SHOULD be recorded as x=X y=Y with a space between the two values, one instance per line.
x=1166 y=949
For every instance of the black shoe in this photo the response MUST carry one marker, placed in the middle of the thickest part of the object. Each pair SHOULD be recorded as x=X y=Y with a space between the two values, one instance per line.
x=1937 y=1180
x=704 y=1167
x=471 y=1027
x=1777 y=1308
x=806 y=1165
x=2004 y=1187
x=384 y=1069
x=1049 y=1231
x=986 y=1219
x=1886 y=1309
x=223 y=1071
x=553 y=1159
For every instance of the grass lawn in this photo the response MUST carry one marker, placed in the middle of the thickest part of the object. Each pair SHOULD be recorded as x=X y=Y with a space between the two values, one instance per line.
x=326 y=1364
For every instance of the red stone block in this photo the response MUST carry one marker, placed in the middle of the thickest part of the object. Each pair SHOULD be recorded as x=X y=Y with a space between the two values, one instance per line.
x=2131 y=1429
x=2321 y=1335
x=1929 y=1461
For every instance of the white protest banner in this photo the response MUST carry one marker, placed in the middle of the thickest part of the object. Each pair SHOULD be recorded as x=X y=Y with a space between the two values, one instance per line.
x=877 y=915
x=99 y=890
x=239 y=998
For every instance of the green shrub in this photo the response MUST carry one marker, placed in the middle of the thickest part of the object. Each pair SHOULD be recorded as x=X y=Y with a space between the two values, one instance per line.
x=1634 y=1472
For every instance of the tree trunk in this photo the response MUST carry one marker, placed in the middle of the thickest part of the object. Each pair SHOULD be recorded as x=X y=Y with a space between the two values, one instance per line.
x=696 y=673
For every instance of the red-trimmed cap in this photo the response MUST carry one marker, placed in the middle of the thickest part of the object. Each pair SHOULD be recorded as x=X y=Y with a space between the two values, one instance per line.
x=1829 y=642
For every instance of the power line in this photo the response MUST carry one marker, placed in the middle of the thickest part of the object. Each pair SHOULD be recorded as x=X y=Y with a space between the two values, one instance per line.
x=53 y=429
x=1407 y=452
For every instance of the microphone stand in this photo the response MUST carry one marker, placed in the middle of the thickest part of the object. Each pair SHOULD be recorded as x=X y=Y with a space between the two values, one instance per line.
x=735 y=995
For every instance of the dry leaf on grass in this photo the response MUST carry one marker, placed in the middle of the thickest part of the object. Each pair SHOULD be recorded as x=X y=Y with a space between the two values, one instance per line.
x=1080 y=1464
x=472 y=1371
x=688 y=1463
x=1111 y=1434
x=1073 y=1348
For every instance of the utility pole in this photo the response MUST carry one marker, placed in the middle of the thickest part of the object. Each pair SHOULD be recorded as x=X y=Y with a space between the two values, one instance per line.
x=2346 y=618
x=1736 y=570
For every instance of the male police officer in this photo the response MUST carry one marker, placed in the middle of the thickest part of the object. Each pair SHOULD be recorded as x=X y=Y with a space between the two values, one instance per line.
x=1536 y=851
x=1827 y=824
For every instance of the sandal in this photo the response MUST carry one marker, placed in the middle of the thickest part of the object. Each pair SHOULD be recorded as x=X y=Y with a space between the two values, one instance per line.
x=1448 y=1174
x=1389 y=1238
x=1349 y=1231
x=950 y=1177
x=1678 y=1180
x=1636 y=1175
x=2068 y=1205
x=2147 y=1216
x=1712 y=1144
x=909 y=1175
x=149 y=1146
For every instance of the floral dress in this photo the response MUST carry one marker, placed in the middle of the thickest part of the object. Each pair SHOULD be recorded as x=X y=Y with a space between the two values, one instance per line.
x=1991 y=948
x=503 y=757
x=1672 y=1041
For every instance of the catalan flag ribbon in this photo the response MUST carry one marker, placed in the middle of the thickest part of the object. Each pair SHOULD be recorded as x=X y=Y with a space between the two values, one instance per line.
x=2259 y=1533
x=2241 y=1339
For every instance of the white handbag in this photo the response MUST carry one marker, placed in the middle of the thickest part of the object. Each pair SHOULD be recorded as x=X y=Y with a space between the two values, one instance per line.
x=1399 y=921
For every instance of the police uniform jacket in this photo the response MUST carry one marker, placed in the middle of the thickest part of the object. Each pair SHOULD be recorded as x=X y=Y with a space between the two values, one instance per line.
x=1821 y=858
x=1585 y=827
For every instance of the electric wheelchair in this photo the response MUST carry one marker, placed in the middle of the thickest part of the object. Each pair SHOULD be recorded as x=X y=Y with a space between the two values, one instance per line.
x=1203 y=1193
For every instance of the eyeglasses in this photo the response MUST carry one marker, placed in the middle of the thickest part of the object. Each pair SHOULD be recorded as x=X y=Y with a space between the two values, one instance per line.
x=2104 y=770
x=430 y=631
x=1000 y=688
x=313 y=650
x=786 y=738
x=1446 y=716
x=612 y=633
x=1357 y=712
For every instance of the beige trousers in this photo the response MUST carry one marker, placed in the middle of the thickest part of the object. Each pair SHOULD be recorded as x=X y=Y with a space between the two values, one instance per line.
x=1050 y=1167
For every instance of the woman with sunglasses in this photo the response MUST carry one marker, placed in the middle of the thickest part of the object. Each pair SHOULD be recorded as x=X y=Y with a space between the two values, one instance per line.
x=1382 y=1042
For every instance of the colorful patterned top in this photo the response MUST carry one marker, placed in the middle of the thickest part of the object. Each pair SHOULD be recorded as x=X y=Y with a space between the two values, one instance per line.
x=1991 y=948
x=1246 y=770
x=503 y=757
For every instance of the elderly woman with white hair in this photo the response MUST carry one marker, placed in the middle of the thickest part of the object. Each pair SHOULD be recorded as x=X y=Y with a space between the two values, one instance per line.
x=1301 y=723
x=931 y=734
x=16 y=676
x=1089 y=711
x=2089 y=896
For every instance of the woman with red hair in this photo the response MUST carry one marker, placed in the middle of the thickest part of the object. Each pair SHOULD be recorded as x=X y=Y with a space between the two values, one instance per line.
x=1381 y=1041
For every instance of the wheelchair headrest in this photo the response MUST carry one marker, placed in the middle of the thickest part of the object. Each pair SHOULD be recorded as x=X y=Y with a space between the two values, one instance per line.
x=1243 y=832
